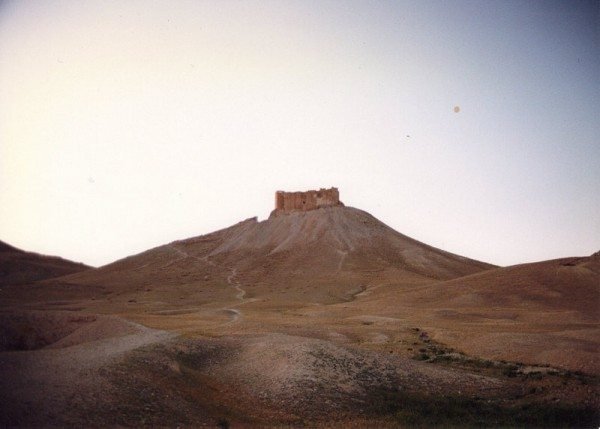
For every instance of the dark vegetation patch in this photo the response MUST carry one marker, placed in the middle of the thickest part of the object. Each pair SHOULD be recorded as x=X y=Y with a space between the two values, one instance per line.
x=416 y=409
x=434 y=352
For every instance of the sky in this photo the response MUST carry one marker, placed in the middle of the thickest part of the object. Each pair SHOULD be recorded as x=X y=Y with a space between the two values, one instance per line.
x=473 y=126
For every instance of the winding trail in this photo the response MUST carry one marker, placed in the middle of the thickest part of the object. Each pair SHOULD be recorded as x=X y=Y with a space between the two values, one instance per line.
x=367 y=290
x=236 y=314
x=236 y=285
x=185 y=255
x=182 y=255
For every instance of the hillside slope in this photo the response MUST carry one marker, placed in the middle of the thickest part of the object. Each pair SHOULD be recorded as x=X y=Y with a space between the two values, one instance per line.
x=568 y=284
x=545 y=312
x=324 y=255
x=20 y=267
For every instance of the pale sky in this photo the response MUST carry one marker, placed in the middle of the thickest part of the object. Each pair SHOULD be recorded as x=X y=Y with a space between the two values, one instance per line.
x=125 y=125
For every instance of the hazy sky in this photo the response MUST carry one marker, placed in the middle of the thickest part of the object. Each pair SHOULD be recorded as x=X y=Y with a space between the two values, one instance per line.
x=128 y=124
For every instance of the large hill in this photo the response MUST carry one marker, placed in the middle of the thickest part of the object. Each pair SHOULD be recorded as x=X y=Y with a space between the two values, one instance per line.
x=321 y=255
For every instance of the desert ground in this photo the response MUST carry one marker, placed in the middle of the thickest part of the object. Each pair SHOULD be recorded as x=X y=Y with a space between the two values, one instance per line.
x=325 y=318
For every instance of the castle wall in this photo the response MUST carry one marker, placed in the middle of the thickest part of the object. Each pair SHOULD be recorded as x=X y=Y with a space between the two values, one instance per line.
x=279 y=200
x=286 y=202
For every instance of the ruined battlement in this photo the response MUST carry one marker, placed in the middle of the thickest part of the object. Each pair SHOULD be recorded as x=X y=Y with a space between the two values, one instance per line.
x=287 y=202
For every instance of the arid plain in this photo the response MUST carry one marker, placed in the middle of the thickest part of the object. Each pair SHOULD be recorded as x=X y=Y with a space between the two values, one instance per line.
x=325 y=318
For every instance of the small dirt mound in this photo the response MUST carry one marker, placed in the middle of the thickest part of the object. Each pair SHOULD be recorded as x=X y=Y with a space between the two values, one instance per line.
x=37 y=330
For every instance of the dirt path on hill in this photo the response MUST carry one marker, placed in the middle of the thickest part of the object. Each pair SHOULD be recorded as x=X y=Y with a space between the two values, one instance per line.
x=241 y=293
x=236 y=315
x=236 y=284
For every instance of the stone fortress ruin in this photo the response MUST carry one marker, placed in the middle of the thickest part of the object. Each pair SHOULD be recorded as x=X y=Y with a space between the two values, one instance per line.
x=288 y=202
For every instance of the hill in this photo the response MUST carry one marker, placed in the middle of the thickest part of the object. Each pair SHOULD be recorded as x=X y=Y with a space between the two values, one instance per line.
x=545 y=312
x=323 y=255
x=20 y=267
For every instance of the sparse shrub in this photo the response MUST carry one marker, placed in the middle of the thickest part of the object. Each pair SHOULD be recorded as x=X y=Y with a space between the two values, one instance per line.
x=535 y=375
x=414 y=409
x=482 y=363
x=510 y=370
x=223 y=424
x=421 y=356
x=442 y=358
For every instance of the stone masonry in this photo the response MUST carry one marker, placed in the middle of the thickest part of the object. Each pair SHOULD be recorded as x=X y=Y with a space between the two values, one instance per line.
x=288 y=202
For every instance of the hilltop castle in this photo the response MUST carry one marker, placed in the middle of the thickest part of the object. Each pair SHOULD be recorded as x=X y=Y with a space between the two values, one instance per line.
x=287 y=202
